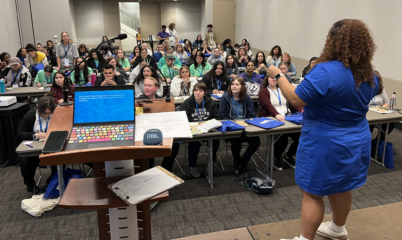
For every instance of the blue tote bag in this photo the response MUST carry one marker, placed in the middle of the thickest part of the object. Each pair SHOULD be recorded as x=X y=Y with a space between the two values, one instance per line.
x=390 y=152
x=68 y=173
x=296 y=118
x=265 y=123
x=230 y=126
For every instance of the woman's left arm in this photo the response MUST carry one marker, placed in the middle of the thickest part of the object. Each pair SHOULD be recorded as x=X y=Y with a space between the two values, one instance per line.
x=293 y=69
x=288 y=90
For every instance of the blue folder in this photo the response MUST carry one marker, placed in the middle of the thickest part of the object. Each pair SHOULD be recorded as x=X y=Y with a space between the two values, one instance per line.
x=265 y=123
x=296 y=118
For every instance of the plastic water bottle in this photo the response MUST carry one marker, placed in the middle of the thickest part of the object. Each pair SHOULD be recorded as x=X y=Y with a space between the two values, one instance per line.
x=44 y=85
x=392 y=104
x=2 y=86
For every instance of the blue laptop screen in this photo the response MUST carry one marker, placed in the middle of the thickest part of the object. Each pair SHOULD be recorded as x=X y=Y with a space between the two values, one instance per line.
x=103 y=106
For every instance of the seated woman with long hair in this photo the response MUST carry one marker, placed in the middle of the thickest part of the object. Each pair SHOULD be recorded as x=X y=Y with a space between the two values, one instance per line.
x=183 y=84
x=216 y=79
x=200 y=67
x=118 y=69
x=83 y=50
x=275 y=56
x=135 y=54
x=260 y=63
x=79 y=76
x=191 y=59
x=242 y=58
x=236 y=104
x=122 y=60
x=146 y=71
x=231 y=67
x=291 y=67
x=198 y=43
x=180 y=53
x=58 y=85
x=274 y=104
x=96 y=61
x=310 y=65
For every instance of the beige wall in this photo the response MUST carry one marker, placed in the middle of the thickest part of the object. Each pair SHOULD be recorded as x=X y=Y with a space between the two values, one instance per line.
x=168 y=13
x=224 y=19
x=150 y=15
x=111 y=19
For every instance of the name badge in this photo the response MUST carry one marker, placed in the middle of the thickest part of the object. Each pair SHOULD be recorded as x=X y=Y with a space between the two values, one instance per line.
x=66 y=62
x=15 y=85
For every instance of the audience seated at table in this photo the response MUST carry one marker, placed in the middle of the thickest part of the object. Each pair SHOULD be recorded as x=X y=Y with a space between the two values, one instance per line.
x=191 y=59
x=4 y=60
x=109 y=77
x=158 y=54
x=108 y=44
x=223 y=53
x=198 y=43
x=235 y=104
x=83 y=51
x=275 y=56
x=39 y=47
x=284 y=68
x=236 y=48
x=205 y=49
x=215 y=57
x=51 y=58
x=199 y=67
x=198 y=107
x=50 y=45
x=170 y=70
x=16 y=74
x=162 y=61
x=149 y=59
x=33 y=127
x=151 y=86
x=249 y=75
x=136 y=71
x=45 y=75
x=66 y=52
x=122 y=60
x=187 y=46
x=242 y=58
x=248 y=50
x=96 y=61
x=310 y=65
x=231 y=67
x=22 y=54
x=105 y=52
x=118 y=69
x=291 y=67
x=34 y=57
x=261 y=66
x=216 y=79
x=145 y=46
x=227 y=47
x=183 y=84
x=180 y=53
x=274 y=104
x=146 y=71
x=380 y=100
x=57 y=88
x=79 y=77
x=135 y=54
x=243 y=42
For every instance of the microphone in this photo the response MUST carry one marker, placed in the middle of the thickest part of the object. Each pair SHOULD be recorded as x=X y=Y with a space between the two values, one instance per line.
x=148 y=101
x=120 y=37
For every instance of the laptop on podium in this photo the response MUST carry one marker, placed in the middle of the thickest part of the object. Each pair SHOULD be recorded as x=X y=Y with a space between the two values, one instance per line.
x=103 y=117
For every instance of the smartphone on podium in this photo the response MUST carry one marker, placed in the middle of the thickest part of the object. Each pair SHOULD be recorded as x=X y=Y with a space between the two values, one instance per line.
x=55 y=141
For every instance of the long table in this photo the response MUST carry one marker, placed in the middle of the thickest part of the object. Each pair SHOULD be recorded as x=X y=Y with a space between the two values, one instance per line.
x=179 y=100
x=25 y=91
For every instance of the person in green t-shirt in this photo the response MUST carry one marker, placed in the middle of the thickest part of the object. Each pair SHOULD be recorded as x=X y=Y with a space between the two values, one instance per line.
x=170 y=70
x=200 y=67
x=46 y=74
x=122 y=60
x=80 y=77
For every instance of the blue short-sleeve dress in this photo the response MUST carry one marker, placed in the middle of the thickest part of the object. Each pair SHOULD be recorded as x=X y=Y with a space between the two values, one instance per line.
x=334 y=150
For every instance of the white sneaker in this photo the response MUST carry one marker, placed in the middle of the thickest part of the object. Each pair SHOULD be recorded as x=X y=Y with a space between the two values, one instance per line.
x=296 y=238
x=326 y=231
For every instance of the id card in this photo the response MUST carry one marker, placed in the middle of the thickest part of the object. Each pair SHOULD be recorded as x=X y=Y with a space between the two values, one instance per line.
x=15 y=85
x=66 y=62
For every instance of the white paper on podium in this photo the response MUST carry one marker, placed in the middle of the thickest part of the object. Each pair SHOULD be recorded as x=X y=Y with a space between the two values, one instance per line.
x=172 y=124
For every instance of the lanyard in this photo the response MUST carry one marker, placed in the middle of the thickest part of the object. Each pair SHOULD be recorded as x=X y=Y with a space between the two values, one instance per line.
x=82 y=54
x=217 y=58
x=278 y=96
x=48 y=59
x=181 y=57
x=218 y=82
x=198 y=113
x=96 y=63
x=65 y=51
x=184 y=90
x=14 y=78
x=47 y=80
x=246 y=75
x=201 y=72
x=234 y=106
x=375 y=105
x=40 y=124
x=170 y=74
x=242 y=64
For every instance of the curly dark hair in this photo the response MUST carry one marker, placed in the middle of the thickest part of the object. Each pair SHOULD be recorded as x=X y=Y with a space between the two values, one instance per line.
x=380 y=83
x=46 y=102
x=271 y=53
x=350 y=42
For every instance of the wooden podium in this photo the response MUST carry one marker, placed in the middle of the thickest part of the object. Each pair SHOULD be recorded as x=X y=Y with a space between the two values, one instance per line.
x=92 y=193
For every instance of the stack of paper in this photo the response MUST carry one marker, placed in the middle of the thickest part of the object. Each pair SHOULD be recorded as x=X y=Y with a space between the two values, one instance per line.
x=204 y=127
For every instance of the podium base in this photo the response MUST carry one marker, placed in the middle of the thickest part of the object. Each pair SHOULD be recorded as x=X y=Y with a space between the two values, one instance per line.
x=66 y=103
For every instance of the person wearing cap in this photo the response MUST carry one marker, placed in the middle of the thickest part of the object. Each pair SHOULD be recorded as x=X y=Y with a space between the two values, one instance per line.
x=162 y=61
x=45 y=75
x=151 y=86
x=163 y=35
x=170 y=70
x=34 y=56
x=16 y=75
x=210 y=37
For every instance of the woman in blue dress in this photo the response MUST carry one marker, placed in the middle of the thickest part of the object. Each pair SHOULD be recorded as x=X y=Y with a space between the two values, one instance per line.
x=334 y=151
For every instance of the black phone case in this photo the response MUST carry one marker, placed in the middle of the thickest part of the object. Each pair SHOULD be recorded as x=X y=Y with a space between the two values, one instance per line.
x=58 y=149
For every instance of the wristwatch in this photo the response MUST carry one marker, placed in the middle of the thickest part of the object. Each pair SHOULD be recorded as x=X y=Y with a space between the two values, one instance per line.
x=35 y=137
x=277 y=76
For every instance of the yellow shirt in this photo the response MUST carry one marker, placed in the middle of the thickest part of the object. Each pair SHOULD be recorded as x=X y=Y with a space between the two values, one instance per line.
x=39 y=57
x=139 y=37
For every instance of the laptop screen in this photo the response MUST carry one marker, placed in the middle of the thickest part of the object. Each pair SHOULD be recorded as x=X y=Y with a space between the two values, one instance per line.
x=104 y=106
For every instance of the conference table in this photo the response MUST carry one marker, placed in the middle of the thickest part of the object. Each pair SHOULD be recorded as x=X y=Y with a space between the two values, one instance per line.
x=179 y=100
x=25 y=91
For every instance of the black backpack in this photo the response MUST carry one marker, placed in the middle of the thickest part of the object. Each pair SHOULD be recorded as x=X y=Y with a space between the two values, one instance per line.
x=258 y=185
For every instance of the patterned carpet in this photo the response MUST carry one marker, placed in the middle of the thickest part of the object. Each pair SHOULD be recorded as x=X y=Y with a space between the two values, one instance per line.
x=193 y=207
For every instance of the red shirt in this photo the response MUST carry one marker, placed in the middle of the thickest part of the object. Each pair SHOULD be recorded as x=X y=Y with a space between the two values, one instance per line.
x=267 y=109
x=58 y=94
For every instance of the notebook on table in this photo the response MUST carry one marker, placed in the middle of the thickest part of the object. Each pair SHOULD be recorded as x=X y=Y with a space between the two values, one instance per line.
x=104 y=116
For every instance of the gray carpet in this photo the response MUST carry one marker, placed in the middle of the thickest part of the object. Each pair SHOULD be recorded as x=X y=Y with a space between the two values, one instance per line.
x=193 y=207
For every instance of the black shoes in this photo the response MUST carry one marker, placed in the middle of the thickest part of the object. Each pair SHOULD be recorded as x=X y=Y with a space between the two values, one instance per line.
x=278 y=164
x=34 y=189
x=290 y=162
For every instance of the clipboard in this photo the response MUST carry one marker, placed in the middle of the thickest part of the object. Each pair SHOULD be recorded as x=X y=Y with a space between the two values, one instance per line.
x=145 y=185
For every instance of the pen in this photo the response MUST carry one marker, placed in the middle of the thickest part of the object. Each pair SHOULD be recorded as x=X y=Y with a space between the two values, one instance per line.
x=29 y=145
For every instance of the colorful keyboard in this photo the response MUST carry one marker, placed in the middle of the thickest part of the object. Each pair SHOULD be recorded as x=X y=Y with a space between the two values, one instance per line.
x=101 y=133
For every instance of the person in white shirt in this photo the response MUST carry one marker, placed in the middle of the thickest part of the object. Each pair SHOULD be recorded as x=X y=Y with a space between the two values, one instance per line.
x=180 y=53
x=183 y=84
x=145 y=46
x=275 y=56
x=173 y=36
